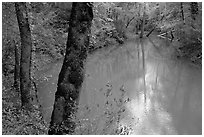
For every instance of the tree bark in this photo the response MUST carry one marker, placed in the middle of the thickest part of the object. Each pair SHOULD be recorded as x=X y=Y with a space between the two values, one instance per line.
x=143 y=22
x=138 y=20
x=25 y=62
x=72 y=72
x=17 y=68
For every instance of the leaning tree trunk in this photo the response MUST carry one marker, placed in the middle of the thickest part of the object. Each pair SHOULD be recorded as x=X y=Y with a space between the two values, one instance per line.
x=72 y=72
x=25 y=62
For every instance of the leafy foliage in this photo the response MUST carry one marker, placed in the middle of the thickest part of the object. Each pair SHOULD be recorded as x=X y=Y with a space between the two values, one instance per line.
x=15 y=120
x=190 y=37
x=10 y=37
x=48 y=38
x=186 y=32
x=105 y=30
x=111 y=25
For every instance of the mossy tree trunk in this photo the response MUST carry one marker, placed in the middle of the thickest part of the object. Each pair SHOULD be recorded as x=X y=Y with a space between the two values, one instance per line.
x=25 y=61
x=72 y=72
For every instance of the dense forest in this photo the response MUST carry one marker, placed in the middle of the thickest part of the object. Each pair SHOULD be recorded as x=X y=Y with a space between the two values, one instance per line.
x=36 y=35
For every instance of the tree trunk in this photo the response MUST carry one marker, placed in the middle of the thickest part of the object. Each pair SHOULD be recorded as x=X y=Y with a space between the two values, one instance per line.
x=25 y=62
x=72 y=72
x=194 y=10
x=182 y=13
x=137 y=27
x=143 y=22
x=17 y=69
x=138 y=20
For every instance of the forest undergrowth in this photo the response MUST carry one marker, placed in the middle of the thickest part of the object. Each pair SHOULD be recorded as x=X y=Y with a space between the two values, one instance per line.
x=15 y=119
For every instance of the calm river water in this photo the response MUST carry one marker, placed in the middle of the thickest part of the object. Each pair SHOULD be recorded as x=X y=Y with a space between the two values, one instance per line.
x=137 y=88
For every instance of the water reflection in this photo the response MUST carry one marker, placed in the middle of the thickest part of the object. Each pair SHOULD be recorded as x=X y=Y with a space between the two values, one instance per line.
x=47 y=86
x=139 y=89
